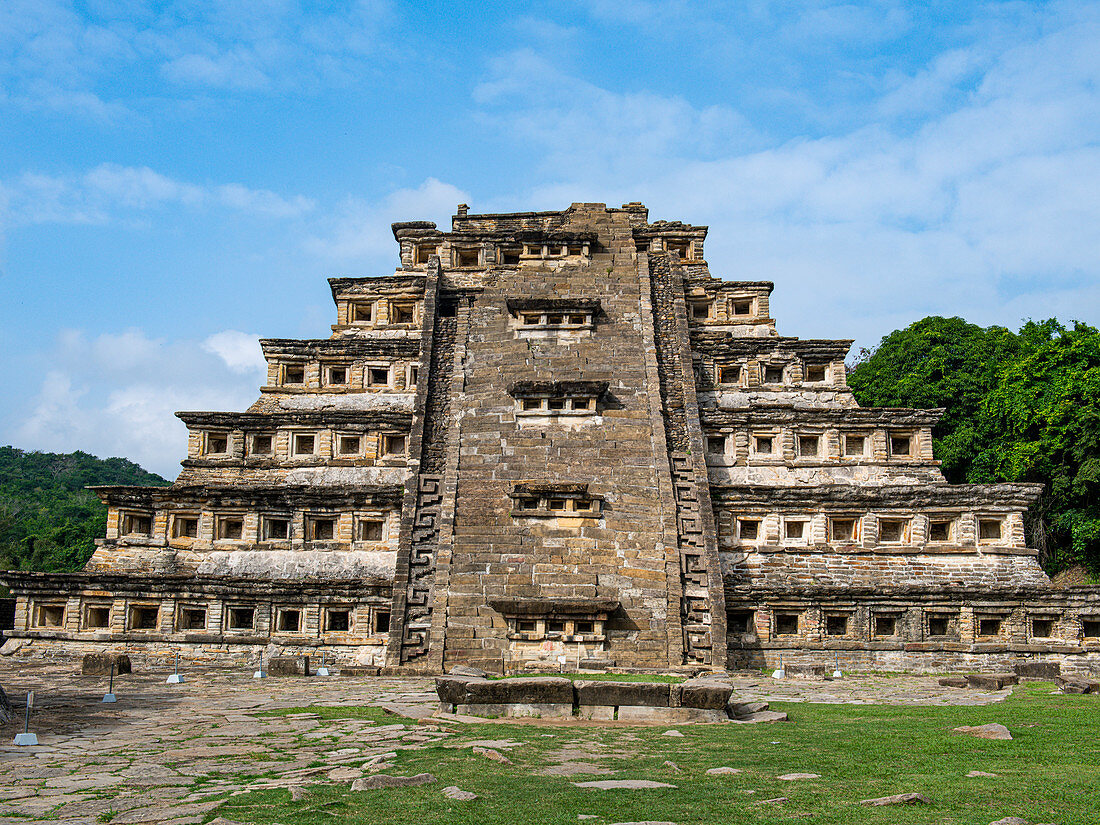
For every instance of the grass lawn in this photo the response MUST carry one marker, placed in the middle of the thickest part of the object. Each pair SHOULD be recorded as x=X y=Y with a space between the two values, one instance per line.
x=1049 y=772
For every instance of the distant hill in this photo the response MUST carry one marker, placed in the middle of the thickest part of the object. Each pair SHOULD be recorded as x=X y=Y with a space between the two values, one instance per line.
x=48 y=521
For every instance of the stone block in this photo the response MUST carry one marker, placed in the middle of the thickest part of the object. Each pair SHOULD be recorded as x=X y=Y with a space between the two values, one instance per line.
x=669 y=716
x=1076 y=684
x=650 y=694
x=99 y=664
x=991 y=681
x=537 y=710
x=552 y=690
x=954 y=682
x=1046 y=671
x=452 y=689
x=739 y=710
x=706 y=692
x=601 y=713
x=288 y=666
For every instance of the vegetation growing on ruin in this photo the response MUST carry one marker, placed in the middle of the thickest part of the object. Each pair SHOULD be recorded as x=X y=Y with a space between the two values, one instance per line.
x=1020 y=406
x=48 y=521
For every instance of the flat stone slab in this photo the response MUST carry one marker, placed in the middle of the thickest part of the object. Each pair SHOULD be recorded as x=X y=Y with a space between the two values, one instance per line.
x=790 y=777
x=1046 y=671
x=722 y=771
x=991 y=731
x=623 y=784
x=455 y=792
x=533 y=690
x=382 y=780
x=898 y=799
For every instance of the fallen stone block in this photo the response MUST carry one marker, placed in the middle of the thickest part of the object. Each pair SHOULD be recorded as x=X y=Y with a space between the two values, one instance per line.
x=648 y=694
x=1076 y=684
x=1046 y=671
x=954 y=682
x=981 y=774
x=775 y=800
x=739 y=710
x=99 y=664
x=288 y=666
x=898 y=799
x=1010 y=820
x=991 y=681
x=723 y=771
x=384 y=780
x=991 y=731
x=791 y=777
x=708 y=692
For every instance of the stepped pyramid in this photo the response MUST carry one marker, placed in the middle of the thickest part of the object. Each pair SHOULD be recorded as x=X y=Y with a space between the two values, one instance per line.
x=555 y=436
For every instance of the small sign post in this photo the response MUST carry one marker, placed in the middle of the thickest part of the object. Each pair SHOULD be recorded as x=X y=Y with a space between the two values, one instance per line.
x=109 y=696
x=261 y=673
x=322 y=670
x=26 y=737
x=175 y=678
x=561 y=663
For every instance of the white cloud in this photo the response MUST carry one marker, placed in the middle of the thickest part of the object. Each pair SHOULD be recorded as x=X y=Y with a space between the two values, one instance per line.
x=111 y=191
x=117 y=394
x=360 y=231
x=97 y=60
x=240 y=351
x=984 y=207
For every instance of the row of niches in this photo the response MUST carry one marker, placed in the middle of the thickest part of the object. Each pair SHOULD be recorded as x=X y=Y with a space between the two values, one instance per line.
x=556 y=628
x=847 y=528
x=724 y=310
x=913 y=624
x=297 y=446
x=332 y=376
x=268 y=530
x=557 y=505
x=339 y=619
x=482 y=255
x=817 y=446
x=771 y=374
x=400 y=312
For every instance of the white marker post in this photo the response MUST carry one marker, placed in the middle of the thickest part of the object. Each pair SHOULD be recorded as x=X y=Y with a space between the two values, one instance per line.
x=781 y=673
x=175 y=678
x=561 y=663
x=27 y=738
x=109 y=696
x=836 y=670
x=261 y=673
x=322 y=670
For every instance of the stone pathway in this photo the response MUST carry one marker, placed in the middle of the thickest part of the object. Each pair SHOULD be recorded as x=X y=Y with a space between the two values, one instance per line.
x=163 y=751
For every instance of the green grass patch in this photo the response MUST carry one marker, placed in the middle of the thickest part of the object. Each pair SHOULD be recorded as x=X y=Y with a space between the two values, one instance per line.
x=1049 y=772
x=327 y=712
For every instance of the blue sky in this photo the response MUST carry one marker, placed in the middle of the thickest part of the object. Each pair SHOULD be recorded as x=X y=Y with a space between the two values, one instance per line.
x=178 y=179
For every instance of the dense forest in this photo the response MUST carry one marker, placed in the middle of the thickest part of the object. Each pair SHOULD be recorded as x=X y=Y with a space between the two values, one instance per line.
x=48 y=521
x=1020 y=406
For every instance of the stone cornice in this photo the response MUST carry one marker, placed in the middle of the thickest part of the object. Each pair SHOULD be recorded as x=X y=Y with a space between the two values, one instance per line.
x=906 y=496
x=725 y=344
x=771 y=414
x=349 y=347
x=384 y=419
x=253 y=496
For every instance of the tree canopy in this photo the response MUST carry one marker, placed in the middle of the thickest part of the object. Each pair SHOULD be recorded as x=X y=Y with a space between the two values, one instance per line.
x=1021 y=406
x=48 y=521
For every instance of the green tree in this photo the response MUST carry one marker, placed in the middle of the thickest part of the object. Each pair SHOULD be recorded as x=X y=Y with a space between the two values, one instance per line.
x=1019 y=407
x=1041 y=422
x=939 y=362
x=48 y=520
